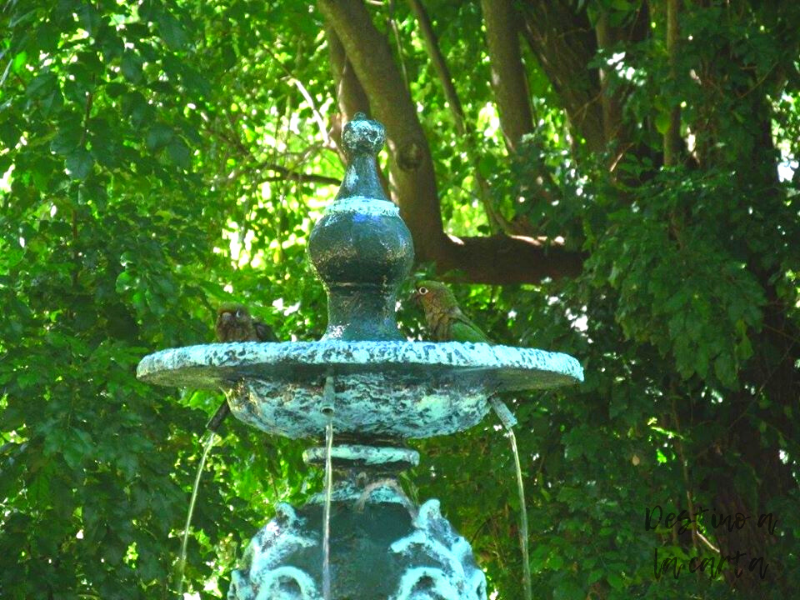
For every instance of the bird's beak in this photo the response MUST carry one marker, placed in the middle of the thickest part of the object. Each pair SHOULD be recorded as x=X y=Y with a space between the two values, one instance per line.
x=414 y=297
x=226 y=317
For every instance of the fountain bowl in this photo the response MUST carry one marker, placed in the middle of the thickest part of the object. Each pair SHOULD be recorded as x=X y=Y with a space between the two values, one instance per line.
x=383 y=389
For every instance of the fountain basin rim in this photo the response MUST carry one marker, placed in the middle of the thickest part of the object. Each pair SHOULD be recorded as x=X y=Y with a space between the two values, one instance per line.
x=502 y=368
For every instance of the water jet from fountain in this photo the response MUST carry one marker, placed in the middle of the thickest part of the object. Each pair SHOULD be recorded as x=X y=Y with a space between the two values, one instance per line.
x=508 y=420
x=327 y=410
x=185 y=541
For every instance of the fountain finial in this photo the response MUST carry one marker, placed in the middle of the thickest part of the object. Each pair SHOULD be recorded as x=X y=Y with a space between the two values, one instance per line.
x=361 y=248
x=363 y=136
x=362 y=139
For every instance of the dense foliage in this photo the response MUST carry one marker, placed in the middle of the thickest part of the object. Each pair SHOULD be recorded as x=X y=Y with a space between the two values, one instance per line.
x=161 y=156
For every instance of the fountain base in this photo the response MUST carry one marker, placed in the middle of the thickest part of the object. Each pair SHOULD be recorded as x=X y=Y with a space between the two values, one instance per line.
x=382 y=546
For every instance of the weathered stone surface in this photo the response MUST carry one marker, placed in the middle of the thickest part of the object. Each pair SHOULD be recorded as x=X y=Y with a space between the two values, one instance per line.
x=383 y=389
x=382 y=547
x=354 y=456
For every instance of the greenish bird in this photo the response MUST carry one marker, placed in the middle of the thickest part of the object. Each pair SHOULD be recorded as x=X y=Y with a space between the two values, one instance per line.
x=446 y=322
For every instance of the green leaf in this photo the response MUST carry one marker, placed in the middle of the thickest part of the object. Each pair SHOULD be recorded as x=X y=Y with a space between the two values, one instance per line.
x=662 y=122
x=125 y=281
x=114 y=89
x=9 y=135
x=42 y=85
x=487 y=166
x=90 y=18
x=158 y=136
x=615 y=581
x=136 y=108
x=619 y=402
x=179 y=153
x=622 y=5
x=725 y=369
x=67 y=139
x=19 y=61
x=568 y=590
x=79 y=163
x=52 y=102
x=76 y=446
x=172 y=31
x=132 y=66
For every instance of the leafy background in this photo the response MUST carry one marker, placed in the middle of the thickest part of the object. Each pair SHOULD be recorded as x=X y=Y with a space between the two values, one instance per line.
x=160 y=157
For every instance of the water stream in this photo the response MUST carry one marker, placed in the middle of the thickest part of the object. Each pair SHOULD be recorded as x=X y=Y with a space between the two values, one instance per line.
x=523 y=518
x=185 y=541
x=326 y=511
x=508 y=420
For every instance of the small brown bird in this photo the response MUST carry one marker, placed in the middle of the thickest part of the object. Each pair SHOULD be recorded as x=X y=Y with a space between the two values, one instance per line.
x=235 y=324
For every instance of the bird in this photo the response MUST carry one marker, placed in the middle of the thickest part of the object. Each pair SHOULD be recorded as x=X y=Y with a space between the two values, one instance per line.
x=235 y=324
x=445 y=320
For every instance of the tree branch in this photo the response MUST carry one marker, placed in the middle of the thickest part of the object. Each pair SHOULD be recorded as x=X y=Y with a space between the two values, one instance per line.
x=508 y=74
x=303 y=92
x=502 y=259
x=289 y=174
x=497 y=259
x=613 y=94
x=410 y=166
x=496 y=220
x=672 y=137
x=349 y=94
x=439 y=64
x=398 y=43
x=565 y=44
x=283 y=172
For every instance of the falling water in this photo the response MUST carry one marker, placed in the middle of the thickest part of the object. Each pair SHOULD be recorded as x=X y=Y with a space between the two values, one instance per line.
x=523 y=517
x=509 y=421
x=185 y=541
x=326 y=512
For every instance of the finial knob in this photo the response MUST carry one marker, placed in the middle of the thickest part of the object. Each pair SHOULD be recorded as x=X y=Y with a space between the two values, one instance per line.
x=363 y=136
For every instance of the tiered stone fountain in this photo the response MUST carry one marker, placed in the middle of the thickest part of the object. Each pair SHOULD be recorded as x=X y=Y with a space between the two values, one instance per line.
x=378 y=390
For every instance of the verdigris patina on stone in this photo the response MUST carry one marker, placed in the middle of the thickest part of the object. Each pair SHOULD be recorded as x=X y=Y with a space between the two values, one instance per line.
x=382 y=546
x=383 y=389
x=378 y=390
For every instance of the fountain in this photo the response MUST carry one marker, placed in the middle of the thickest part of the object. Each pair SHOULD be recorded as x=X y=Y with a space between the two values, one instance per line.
x=363 y=390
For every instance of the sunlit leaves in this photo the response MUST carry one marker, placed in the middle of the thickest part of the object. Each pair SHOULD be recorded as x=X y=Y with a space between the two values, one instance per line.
x=680 y=287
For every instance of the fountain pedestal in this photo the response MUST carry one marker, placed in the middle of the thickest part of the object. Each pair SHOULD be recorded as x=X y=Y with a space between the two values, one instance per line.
x=382 y=545
x=384 y=390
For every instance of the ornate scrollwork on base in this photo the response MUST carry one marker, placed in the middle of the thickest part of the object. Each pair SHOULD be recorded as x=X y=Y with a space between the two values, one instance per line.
x=263 y=576
x=382 y=547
